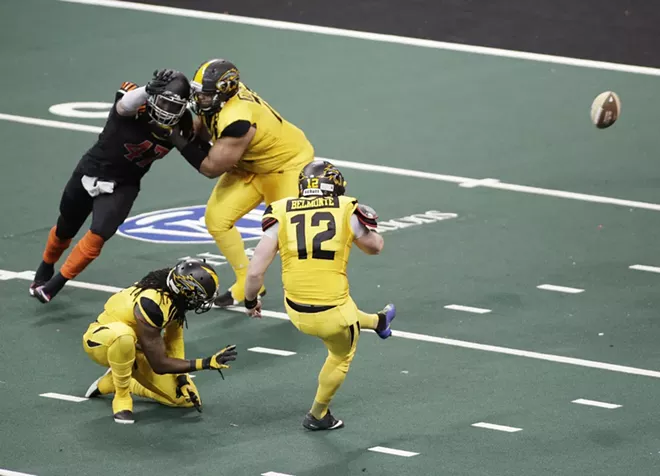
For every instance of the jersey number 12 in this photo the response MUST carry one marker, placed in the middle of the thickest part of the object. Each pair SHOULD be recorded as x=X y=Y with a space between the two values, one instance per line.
x=319 y=238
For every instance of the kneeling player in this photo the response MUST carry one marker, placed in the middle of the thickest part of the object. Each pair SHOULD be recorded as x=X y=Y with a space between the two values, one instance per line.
x=314 y=234
x=126 y=337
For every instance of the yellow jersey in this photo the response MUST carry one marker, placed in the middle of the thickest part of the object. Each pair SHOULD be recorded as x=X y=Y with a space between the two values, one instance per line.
x=156 y=307
x=277 y=144
x=315 y=238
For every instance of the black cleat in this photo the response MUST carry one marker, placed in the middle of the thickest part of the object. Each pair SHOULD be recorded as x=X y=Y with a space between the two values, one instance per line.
x=226 y=299
x=41 y=295
x=328 y=422
x=125 y=417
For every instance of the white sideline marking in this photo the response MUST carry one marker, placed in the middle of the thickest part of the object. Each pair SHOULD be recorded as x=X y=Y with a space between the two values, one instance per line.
x=476 y=310
x=594 y=403
x=490 y=426
x=273 y=473
x=6 y=472
x=466 y=182
x=61 y=396
x=266 y=350
x=560 y=289
x=26 y=275
x=392 y=451
x=361 y=35
x=639 y=267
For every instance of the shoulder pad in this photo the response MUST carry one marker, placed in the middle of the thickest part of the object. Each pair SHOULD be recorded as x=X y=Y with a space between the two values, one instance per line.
x=367 y=215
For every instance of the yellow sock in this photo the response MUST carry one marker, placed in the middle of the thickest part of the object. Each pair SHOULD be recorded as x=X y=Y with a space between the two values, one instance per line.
x=367 y=321
x=121 y=355
x=140 y=390
x=331 y=377
x=106 y=385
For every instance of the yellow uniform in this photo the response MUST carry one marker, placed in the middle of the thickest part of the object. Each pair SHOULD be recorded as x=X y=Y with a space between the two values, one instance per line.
x=315 y=236
x=107 y=339
x=268 y=171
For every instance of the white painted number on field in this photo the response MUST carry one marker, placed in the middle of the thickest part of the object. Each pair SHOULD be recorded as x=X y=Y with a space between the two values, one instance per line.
x=99 y=110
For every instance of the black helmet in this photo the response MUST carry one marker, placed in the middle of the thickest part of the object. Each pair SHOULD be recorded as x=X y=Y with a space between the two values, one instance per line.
x=320 y=178
x=196 y=281
x=214 y=83
x=167 y=107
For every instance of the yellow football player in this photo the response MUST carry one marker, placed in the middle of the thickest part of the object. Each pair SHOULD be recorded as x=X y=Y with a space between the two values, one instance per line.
x=314 y=233
x=126 y=337
x=256 y=153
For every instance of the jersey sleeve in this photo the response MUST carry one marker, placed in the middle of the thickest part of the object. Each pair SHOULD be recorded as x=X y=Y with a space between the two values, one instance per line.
x=237 y=128
x=234 y=117
x=126 y=86
x=269 y=219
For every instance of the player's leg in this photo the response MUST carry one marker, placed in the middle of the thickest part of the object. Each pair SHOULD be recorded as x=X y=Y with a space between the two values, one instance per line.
x=113 y=345
x=379 y=322
x=339 y=329
x=279 y=185
x=233 y=197
x=109 y=210
x=164 y=389
x=75 y=207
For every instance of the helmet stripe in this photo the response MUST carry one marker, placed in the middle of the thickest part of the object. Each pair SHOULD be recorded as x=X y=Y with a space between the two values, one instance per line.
x=199 y=74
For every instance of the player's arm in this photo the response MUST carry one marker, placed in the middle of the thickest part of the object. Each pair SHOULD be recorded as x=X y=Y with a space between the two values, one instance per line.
x=263 y=256
x=131 y=99
x=214 y=160
x=364 y=225
x=173 y=339
x=153 y=346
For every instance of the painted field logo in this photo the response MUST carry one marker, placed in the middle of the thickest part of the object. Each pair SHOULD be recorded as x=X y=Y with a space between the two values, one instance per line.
x=184 y=225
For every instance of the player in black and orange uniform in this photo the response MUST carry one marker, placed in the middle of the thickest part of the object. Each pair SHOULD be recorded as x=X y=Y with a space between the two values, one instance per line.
x=314 y=233
x=155 y=369
x=256 y=153
x=106 y=180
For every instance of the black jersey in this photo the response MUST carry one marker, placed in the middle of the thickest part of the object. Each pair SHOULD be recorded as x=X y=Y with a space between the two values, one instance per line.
x=128 y=145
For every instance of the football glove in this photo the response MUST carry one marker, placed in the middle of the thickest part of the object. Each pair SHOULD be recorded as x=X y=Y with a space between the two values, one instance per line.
x=217 y=361
x=367 y=216
x=186 y=389
x=159 y=81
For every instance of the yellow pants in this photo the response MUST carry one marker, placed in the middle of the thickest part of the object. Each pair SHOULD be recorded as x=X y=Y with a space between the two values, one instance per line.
x=339 y=329
x=144 y=381
x=236 y=194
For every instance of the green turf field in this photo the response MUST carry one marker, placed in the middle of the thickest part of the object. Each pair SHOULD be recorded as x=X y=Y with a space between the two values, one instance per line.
x=465 y=116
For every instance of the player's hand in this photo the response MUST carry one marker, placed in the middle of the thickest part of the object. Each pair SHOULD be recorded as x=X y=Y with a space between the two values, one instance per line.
x=159 y=81
x=255 y=311
x=186 y=389
x=218 y=361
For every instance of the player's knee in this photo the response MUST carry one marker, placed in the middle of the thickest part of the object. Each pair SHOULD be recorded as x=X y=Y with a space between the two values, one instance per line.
x=66 y=227
x=103 y=231
x=125 y=344
x=216 y=223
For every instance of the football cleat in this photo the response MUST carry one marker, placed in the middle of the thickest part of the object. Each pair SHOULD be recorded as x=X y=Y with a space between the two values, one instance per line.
x=124 y=417
x=389 y=312
x=34 y=286
x=328 y=422
x=41 y=295
x=227 y=299
x=93 y=390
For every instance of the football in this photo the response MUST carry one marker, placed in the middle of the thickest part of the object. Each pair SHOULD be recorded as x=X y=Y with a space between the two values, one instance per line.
x=605 y=109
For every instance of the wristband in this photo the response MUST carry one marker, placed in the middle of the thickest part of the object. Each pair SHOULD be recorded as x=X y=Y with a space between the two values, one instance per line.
x=195 y=152
x=251 y=304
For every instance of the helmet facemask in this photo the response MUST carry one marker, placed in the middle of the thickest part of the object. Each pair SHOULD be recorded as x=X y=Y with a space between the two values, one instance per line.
x=167 y=109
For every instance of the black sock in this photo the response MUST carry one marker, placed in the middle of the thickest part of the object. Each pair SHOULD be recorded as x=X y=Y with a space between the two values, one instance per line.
x=382 y=323
x=55 y=285
x=44 y=272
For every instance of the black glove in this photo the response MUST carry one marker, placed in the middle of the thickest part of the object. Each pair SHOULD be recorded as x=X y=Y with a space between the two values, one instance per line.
x=159 y=81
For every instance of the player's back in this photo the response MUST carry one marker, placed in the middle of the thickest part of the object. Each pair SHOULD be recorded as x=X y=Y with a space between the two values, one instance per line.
x=277 y=143
x=315 y=239
x=154 y=305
